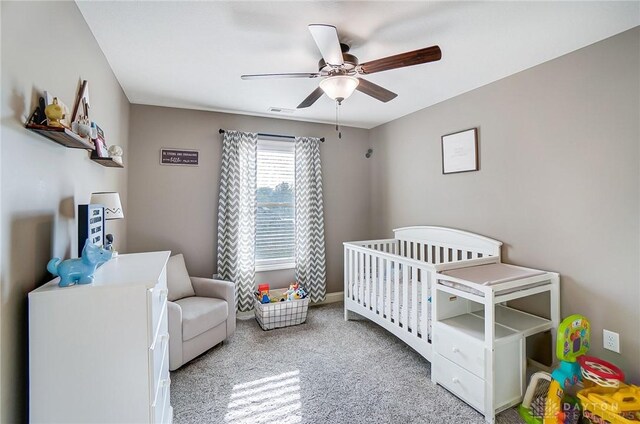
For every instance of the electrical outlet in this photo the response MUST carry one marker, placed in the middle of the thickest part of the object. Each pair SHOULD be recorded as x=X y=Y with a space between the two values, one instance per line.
x=611 y=340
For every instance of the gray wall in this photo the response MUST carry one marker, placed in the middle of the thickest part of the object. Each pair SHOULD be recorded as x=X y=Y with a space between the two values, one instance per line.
x=42 y=182
x=175 y=207
x=558 y=179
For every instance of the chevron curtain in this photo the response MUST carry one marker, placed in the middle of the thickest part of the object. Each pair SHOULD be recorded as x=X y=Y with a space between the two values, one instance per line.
x=237 y=215
x=310 y=252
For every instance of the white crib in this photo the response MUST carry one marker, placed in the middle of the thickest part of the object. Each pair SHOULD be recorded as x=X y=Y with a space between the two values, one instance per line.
x=426 y=274
x=375 y=273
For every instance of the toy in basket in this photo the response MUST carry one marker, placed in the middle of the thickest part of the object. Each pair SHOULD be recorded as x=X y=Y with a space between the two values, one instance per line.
x=280 y=308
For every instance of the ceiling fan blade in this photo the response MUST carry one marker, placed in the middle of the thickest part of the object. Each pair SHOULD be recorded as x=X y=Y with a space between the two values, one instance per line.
x=285 y=75
x=416 y=57
x=326 y=38
x=375 y=91
x=311 y=98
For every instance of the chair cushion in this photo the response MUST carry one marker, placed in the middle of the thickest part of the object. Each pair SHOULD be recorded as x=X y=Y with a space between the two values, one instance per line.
x=178 y=281
x=200 y=314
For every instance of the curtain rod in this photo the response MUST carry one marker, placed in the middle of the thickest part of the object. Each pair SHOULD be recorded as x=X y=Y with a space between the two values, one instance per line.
x=221 y=131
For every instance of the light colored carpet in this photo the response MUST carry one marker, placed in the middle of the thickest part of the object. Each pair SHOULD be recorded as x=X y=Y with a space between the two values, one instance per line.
x=324 y=371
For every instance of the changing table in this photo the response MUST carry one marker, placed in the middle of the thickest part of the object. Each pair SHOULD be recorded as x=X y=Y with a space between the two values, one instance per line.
x=479 y=341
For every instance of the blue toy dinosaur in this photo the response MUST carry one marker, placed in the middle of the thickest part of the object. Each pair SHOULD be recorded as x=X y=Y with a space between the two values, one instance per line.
x=79 y=271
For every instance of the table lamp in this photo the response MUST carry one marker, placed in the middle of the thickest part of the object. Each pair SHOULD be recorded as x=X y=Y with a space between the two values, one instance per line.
x=112 y=210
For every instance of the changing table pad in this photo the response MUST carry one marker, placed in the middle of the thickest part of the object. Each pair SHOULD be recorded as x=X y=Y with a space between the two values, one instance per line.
x=488 y=275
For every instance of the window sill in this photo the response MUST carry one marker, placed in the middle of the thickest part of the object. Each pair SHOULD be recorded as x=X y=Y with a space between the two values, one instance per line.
x=275 y=267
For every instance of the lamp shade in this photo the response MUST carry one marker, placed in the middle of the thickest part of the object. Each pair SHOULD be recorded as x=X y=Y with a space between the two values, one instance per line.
x=339 y=87
x=111 y=202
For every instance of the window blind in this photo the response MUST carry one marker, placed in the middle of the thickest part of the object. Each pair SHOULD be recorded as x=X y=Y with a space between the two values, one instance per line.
x=275 y=204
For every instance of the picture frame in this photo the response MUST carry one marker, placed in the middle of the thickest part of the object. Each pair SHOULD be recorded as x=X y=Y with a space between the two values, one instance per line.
x=460 y=152
x=91 y=222
x=101 y=150
x=172 y=156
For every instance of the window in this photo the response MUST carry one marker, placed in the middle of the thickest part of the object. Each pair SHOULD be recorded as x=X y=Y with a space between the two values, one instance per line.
x=275 y=204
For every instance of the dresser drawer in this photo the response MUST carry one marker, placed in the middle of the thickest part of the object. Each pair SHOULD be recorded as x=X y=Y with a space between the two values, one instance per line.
x=459 y=381
x=157 y=297
x=160 y=405
x=159 y=354
x=464 y=351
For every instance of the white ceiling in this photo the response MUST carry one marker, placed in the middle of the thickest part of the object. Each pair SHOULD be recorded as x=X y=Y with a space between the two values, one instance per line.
x=191 y=54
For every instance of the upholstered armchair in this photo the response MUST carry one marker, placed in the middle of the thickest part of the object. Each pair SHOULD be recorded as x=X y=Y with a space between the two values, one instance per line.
x=202 y=313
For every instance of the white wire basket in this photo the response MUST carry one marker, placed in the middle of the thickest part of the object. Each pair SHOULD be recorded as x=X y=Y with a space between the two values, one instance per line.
x=281 y=314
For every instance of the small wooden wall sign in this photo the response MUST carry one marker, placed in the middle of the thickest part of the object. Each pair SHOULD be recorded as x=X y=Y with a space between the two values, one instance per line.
x=179 y=157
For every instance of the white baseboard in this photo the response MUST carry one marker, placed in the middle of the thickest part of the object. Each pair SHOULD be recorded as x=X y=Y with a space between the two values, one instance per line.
x=245 y=315
x=329 y=298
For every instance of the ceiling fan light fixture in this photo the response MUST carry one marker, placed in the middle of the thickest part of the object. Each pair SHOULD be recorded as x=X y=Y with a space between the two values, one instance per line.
x=339 y=87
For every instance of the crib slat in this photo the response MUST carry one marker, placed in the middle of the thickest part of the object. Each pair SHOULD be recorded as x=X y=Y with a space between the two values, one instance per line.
x=425 y=305
x=354 y=270
x=347 y=271
x=374 y=276
x=414 y=300
x=367 y=279
x=361 y=278
x=438 y=256
x=405 y=297
x=396 y=290
x=388 y=284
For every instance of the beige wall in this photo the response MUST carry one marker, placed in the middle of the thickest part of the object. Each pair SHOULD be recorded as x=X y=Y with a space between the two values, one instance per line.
x=48 y=46
x=558 y=180
x=175 y=207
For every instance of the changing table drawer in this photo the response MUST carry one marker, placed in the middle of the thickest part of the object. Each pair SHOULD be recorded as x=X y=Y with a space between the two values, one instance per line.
x=464 y=351
x=459 y=381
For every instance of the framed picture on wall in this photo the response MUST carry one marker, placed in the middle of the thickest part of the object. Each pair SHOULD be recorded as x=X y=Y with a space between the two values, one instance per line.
x=460 y=151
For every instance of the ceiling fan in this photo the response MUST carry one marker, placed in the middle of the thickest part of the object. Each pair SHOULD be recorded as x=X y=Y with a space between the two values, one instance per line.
x=340 y=70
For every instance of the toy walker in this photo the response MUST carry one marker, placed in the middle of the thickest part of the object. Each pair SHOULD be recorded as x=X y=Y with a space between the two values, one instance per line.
x=545 y=401
x=574 y=340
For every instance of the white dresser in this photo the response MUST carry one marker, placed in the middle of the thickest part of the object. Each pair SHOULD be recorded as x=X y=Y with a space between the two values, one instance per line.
x=99 y=352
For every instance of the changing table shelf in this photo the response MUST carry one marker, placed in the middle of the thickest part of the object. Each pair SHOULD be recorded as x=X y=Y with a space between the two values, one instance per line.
x=472 y=325
x=480 y=354
x=519 y=321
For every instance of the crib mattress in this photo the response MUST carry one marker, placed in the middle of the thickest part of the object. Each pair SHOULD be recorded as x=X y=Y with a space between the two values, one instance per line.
x=381 y=296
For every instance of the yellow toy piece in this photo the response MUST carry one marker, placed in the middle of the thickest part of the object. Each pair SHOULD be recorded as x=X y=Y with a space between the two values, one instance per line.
x=554 y=400
x=616 y=406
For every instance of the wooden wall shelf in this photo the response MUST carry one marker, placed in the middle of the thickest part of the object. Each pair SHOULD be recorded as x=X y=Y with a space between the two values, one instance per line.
x=68 y=138
x=61 y=136
x=108 y=162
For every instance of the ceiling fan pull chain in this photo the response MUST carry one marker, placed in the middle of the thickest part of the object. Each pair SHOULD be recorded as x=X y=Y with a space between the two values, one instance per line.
x=338 y=103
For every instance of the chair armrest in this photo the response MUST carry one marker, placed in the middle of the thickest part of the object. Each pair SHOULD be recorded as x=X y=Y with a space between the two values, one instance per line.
x=220 y=289
x=208 y=287
x=174 y=312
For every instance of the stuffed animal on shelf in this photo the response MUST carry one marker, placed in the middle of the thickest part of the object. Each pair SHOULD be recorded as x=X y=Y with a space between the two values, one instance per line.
x=79 y=271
